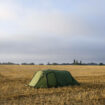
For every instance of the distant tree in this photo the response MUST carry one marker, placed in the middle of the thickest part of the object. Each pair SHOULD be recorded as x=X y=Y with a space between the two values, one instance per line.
x=74 y=62
x=55 y=63
x=41 y=64
x=101 y=63
x=65 y=64
x=24 y=64
x=27 y=64
x=80 y=62
x=92 y=63
x=31 y=64
x=9 y=63
x=48 y=63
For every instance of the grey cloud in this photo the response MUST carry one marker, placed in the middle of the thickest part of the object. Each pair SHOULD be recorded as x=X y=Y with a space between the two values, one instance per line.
x=35 y=34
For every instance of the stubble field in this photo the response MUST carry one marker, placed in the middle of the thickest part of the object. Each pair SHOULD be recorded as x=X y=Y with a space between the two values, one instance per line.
x=13 y=89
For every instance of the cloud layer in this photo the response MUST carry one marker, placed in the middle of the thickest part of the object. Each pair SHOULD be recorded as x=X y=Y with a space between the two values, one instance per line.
x=52 y=30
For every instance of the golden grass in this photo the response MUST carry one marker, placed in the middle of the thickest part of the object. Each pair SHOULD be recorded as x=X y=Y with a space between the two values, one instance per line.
x=14 y=92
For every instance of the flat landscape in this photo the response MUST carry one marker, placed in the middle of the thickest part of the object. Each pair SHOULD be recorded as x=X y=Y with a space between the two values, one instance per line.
x=14 y=78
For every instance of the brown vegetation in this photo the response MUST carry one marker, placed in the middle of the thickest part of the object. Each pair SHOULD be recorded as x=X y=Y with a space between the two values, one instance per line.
x=14 y=92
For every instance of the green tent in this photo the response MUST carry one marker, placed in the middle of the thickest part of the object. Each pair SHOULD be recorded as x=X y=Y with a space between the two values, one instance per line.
x=52 y=78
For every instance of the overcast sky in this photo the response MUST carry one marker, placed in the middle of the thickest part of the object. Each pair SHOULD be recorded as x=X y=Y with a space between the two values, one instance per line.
x=52 y=30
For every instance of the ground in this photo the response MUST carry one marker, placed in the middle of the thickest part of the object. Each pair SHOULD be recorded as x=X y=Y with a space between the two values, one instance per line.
x=14 y=78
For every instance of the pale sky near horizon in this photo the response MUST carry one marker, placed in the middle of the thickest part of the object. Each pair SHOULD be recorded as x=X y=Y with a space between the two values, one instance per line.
x=42 y=31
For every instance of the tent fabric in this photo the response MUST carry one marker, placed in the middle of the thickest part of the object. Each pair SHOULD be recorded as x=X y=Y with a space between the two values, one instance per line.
x=52 y=78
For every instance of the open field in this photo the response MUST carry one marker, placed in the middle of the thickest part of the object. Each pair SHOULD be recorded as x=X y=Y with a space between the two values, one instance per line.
x=14 y=92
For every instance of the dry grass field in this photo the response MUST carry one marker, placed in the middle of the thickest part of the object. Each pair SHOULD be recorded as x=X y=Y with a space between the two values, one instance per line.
x=14 y=92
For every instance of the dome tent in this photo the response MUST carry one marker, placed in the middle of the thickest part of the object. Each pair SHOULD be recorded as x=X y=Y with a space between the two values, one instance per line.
x=52 y=78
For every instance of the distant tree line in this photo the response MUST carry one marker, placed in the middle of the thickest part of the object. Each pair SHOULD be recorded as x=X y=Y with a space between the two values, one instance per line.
x=27 y=63
x=11 y=63
x=8 y=63
x=75 y=62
